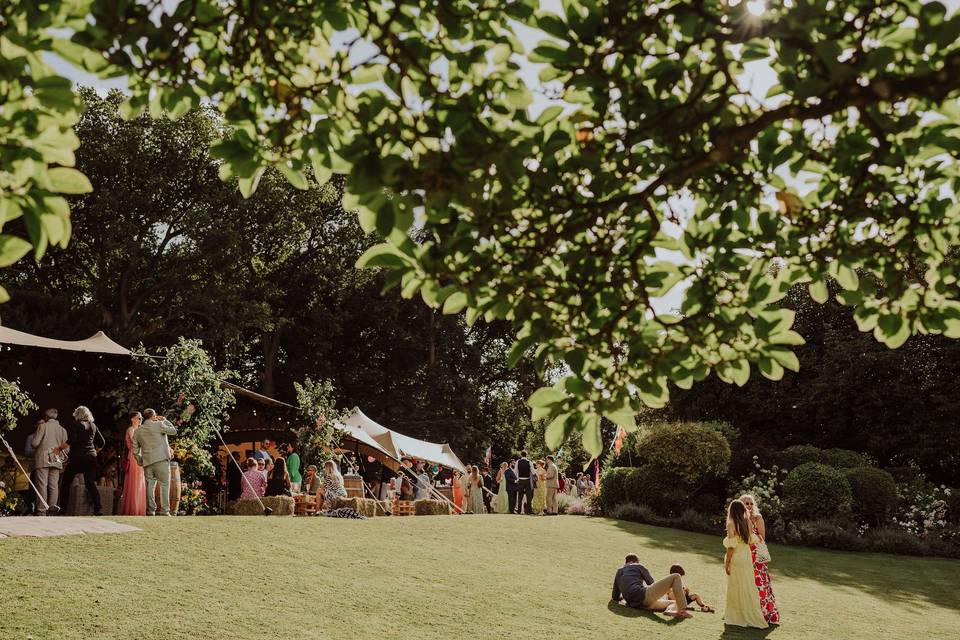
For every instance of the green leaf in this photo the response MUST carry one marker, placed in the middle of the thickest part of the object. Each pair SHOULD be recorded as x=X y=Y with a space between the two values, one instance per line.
x=592 y=439
x=294 y=177
x=12 y=249
x=624 y=418
x=456 y=303
x=818 y=291
x=546 y=397
x=382 y=255
x=557 y=431
x=67 y=180
x=249 y=185
x=770 y=368
x=788 y=359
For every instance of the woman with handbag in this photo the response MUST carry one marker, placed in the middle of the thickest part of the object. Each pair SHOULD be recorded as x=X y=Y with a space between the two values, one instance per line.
x=742 y=604
x=761 y=560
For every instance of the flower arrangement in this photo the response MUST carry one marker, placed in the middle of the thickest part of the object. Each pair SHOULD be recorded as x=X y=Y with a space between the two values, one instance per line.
x=193 y=500
x=9 y=501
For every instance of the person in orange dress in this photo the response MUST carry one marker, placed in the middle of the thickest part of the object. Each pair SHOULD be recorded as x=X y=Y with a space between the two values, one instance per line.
x=457 y=491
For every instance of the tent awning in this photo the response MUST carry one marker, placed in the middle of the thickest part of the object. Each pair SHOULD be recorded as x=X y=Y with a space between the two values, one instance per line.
x=400 y=445
x=97 y=343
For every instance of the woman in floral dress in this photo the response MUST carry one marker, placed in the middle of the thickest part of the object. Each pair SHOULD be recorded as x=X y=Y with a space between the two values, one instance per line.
x=768 y=602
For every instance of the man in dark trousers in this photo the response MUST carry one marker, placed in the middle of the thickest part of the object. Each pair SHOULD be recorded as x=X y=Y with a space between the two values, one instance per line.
x=510 y=475
x=634 y=584
x=524 y=485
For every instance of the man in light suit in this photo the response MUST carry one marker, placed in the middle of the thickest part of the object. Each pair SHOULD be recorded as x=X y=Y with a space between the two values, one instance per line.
x=152 y=451
x=552 y=483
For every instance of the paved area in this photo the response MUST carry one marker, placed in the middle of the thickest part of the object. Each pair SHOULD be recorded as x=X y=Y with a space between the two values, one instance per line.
x=18 y=526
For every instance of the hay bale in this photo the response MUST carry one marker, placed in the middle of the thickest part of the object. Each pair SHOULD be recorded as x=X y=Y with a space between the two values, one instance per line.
x=364 y=506
x=281 y=505
x=431 y=508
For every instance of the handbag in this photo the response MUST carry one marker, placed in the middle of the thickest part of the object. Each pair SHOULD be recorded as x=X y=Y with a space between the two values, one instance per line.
x=762 y=552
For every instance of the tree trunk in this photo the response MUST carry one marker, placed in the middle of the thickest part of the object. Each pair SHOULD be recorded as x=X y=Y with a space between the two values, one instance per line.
x=271 y=347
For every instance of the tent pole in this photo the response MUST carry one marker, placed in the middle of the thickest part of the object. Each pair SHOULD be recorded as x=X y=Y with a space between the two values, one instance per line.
x=24 y=472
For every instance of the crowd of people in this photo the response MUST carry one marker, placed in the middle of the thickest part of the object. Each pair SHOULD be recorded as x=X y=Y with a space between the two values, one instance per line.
x=750 y=601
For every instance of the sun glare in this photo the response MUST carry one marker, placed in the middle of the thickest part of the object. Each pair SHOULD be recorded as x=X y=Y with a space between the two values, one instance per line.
x=756 y=7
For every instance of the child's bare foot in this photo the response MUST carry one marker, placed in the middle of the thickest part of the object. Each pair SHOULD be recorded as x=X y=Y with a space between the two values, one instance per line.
x=679 y=614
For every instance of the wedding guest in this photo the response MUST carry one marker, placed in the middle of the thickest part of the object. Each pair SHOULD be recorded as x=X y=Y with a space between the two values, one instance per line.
x=423 y=483
x=502 y=502
x=50 y=445
x=581 y=486
x=524 y=484
x=262 y=467
x=312 y=482
x=254 y=483
x=634 y=584
x=279 y=482
x=293 y=467
x=459 y=484
x=234 y=477
x=488 y=483
x=552 y=479
x=151 y=448
x=263 y=452
x=510 y=475
x=371 y=473
x=475 y=486
x=83 y=456
x=539 y=502
x=743 y=603
x=133 y=500
x=333 y=490
x=768 y=601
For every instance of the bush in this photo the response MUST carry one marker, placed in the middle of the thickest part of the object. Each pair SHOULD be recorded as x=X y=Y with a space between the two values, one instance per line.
x=953 y=506
x=612 y=490
x=572 y=505
x=691 y=520
x=824 y=533
x=633 y=512
x=845 y=459
x=891 y=539
x=690 y=451
x=815 y=491
x=799 y=454
x=874 y=494
x=662 y=492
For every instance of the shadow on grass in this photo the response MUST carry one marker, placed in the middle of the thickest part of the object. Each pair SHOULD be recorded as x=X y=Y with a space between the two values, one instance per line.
x=731 y=632
x=903 y=580
x=624 y=611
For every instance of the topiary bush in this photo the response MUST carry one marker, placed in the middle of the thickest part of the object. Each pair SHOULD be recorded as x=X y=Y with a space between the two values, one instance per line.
x=612 y=490
x=874 y=494
x=689 y=451
x=815 y=491
x=799 y=454
x=845 y=459
x=661 y=491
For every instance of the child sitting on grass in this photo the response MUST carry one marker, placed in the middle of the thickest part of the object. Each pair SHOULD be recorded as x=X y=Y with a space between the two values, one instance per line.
x=691 y=597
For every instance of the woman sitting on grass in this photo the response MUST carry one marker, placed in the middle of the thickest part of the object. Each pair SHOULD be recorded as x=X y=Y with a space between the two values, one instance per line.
x=333 y=489
x=743 y=601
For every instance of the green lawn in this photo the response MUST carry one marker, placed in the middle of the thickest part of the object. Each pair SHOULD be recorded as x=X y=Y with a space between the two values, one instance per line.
x=434 y=577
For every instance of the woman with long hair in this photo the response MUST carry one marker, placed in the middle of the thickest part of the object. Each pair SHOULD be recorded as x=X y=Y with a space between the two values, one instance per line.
x=539 y=503
x=333 y=489
x=83 y=457
x=743 y=605
x=501 y=503
x=475 y=483
x=458 y=487
x=278 y=484
x=133 y=500
x=761 y=558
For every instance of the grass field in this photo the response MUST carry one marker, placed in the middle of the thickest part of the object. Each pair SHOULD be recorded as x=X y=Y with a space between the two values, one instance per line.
x=435 y=577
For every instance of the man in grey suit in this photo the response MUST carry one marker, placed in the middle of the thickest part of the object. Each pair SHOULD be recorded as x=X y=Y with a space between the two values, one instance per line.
x=552 y=483
x=152 y=451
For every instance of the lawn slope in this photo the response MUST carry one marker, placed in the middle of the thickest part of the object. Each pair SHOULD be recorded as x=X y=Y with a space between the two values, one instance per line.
x=434 y=577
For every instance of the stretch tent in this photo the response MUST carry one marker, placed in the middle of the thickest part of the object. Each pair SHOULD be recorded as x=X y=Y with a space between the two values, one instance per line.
x=357 y=425
x=97 y=343
x=399 y=445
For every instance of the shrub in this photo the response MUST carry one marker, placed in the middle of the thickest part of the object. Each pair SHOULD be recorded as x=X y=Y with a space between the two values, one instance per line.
x=612 y=490
x=661 y=491
x=845 y=459
x=893 y=539
x=572 y=505
x=689 y=451
x=633 y=512
x=815 y=491
x=874 y=494
x=799 y=454
x=691 y=520
x=907 y=473
x=953 y=506
x=824 y=533
x=766 y=486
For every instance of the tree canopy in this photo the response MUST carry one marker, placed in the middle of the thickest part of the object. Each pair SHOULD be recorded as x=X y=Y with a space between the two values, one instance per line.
x=648 y=163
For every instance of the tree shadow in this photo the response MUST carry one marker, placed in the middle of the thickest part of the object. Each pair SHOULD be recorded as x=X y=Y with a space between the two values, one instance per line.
x=624 y=611
x=903 y=580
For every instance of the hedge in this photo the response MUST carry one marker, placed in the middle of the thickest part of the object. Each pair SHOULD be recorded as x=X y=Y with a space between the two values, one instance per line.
x=815 y=491
x=874 y=494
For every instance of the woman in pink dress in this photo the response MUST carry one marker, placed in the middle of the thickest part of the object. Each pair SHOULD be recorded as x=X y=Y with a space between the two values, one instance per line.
x=133 y=501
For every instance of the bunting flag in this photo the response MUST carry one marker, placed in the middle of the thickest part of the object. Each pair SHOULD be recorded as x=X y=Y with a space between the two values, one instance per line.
x=596 y=472
x=618 y=440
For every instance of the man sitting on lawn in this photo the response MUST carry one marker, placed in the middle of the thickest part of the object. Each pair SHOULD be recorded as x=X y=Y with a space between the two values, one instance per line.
x=634 y=584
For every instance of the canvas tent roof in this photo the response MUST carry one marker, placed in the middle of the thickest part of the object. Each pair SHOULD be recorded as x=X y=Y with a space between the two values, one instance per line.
x=399 y=445
x=97 y=343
